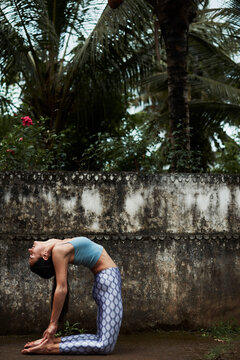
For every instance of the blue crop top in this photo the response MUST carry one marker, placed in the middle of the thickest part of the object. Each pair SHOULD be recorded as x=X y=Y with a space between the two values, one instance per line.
x=86 y=252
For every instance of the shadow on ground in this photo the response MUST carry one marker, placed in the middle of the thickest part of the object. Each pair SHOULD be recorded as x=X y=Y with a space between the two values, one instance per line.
x=172 y=345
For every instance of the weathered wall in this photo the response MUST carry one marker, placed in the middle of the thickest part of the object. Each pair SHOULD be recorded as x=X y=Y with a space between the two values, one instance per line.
x=174 y=237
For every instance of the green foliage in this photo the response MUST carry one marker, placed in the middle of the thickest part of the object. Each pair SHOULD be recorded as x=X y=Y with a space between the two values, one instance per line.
x=223 y=330
x=217 y=352
x=226 y=333
x=184 y=160
x=33 y=147
x=228 y=158
x=69 y=329
x=214 y=95
x=82 y=90
x=6 y=124
x=139 y=147
x=131 y=149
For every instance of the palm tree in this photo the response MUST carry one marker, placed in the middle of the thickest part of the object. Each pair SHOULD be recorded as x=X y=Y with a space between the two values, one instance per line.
x=214 y=101
x=79 y=87
x=213 y=78
x=174 y=18
x=217 y=76
x=56 y=82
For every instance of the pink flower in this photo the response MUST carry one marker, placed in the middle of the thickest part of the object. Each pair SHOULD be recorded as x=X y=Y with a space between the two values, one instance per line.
x=10 y=151
x=21 y=139
x=26 y=121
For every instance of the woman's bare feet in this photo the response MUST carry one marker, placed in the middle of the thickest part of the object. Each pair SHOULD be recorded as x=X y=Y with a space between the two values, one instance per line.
x=33 y=343
x=45 y=347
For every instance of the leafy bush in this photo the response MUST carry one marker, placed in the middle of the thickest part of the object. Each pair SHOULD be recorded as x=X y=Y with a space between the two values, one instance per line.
x=223 y=330
x=228 y=158
x=30 y=145
x=70 y=329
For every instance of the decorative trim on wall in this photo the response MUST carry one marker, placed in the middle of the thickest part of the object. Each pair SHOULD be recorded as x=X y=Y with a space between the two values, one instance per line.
x=82 y=177
x=130 y=237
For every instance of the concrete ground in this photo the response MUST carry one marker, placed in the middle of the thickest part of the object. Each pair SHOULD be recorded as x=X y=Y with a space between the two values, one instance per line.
x=172 y=345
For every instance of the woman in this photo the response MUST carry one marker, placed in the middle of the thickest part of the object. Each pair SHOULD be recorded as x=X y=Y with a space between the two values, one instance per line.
x=51 y=257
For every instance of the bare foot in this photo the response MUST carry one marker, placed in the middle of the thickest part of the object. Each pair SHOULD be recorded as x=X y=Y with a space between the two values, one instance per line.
x=29 y=344
x=45 y=347
x=33 y=343
x=37 y=349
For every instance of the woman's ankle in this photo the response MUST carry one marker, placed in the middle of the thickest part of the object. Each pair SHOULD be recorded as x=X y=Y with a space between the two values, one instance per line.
x=57 y=340
x=52 y=348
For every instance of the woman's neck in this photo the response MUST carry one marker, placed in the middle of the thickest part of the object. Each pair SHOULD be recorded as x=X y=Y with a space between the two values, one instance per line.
x=49 y=244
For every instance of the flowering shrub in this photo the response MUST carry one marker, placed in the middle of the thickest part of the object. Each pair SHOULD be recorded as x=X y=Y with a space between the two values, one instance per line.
x=32 y=146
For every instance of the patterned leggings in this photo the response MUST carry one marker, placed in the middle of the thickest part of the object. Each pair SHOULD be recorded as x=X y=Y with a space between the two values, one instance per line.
x=107 y=294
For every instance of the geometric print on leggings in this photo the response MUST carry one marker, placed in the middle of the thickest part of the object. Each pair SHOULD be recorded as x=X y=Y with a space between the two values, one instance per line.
x=107 y=295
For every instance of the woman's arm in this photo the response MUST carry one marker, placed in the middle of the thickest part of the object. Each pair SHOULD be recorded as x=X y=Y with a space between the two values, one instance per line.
x=60 y=260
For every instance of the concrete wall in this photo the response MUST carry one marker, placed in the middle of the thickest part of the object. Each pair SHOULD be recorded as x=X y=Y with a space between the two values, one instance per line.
x=174 y=237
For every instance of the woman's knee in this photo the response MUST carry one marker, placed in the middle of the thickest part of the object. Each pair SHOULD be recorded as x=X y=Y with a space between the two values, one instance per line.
x=107 y=350
x=108 y=347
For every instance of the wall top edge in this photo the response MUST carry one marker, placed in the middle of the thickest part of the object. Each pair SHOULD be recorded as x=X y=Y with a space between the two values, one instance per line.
x=82 y=177
x=129 y=237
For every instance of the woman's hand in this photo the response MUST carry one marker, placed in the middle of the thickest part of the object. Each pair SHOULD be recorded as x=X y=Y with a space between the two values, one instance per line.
x=50 y=331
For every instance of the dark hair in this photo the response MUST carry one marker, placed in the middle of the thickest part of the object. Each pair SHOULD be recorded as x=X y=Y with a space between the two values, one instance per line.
x=45 y=269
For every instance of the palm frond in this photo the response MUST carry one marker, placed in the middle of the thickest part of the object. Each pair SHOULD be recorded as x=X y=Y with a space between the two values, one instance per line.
x=30 y=19
x=114 y=29
x=212 y=58
x=14 y=53
x=155 y=83
x=216 y=112
x=213 y=88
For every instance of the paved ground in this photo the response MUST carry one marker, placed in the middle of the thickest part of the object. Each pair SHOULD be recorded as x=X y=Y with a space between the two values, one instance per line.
x=171 y=345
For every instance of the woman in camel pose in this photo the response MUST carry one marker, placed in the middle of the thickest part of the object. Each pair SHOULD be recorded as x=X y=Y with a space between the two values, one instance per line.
x=51 y=258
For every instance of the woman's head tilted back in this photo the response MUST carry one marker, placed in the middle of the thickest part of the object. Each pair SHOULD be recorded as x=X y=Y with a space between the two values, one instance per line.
x=43 y=268
x=40 y=259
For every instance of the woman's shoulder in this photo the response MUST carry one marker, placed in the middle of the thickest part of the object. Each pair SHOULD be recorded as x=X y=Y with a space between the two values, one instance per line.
x=62 y=247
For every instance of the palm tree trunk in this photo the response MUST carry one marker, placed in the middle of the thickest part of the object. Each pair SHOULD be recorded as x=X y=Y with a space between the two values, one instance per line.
x=176 y=50
x=174 y=18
